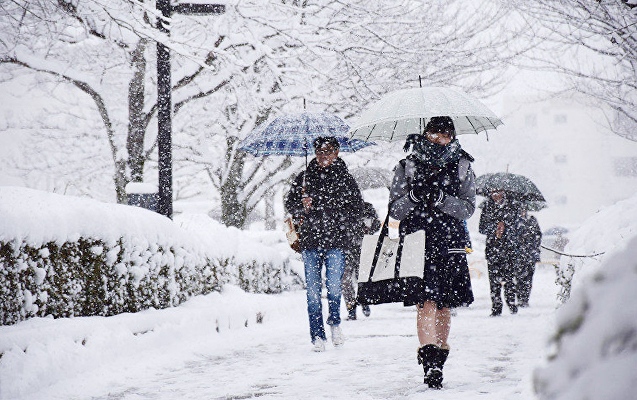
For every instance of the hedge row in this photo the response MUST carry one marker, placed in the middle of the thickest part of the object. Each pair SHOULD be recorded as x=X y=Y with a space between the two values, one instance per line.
x=90 y=277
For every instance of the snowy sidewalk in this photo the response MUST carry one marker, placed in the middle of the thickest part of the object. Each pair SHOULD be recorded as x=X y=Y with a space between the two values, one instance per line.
x=182 y=356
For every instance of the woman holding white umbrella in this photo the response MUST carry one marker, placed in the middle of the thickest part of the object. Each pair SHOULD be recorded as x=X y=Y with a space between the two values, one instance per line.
x=433 y=190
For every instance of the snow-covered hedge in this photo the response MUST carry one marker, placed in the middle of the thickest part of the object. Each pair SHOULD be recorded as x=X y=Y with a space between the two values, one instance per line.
x=600 y=234
x=593 y=350
x=67 y=256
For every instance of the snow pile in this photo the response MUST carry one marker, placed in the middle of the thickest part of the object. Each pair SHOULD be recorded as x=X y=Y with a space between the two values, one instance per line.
x=595 y=343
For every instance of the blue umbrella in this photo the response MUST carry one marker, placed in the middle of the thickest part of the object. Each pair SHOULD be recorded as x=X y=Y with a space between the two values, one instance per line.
x=294 y=134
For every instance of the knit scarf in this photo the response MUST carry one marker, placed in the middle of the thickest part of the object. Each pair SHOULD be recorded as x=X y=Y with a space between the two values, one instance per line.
x=436 y=155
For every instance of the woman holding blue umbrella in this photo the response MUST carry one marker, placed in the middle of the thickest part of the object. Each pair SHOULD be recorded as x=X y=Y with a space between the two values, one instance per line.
x=325 y=200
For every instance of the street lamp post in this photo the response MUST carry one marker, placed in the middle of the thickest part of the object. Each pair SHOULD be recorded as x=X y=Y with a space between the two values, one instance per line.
x=164 y=97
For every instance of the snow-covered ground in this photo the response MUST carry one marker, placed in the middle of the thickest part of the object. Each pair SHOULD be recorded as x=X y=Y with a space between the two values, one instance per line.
x=203 y=350
x=234 y=345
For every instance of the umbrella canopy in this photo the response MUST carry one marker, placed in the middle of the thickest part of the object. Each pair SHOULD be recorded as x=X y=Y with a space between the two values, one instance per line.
x=407 y=111
x=529 y=205
x=519 y=186
x=294 y=134
x=556 y=230
x=372 y=178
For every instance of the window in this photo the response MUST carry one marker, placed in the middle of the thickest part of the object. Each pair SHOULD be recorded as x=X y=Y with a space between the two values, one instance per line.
x=560 y=159
x=625 y=166
x=561 y=200
x=559 y=119
x=530 y=120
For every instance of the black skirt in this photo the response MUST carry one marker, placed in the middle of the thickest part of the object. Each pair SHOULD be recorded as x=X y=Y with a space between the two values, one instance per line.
x=446 y=282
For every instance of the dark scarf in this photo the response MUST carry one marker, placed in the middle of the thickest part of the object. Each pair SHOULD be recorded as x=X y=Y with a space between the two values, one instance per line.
x=433 y=154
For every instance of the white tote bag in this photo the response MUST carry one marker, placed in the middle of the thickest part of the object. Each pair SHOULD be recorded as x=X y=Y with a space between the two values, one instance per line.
x=411 y=262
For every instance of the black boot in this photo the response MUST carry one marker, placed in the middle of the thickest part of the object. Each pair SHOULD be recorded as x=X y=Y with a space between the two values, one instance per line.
x=432 y=359
x=351 y=313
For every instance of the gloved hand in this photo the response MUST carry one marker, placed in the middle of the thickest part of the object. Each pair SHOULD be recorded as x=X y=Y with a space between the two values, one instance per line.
x=430 y=194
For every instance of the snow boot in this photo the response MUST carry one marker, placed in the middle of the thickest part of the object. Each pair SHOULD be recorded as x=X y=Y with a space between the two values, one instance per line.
x=366 y=310
x=432 y=359
x=351 y=313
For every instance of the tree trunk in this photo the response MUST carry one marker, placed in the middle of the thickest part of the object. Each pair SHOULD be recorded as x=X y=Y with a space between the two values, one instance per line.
x=270 y=220
x=233 y=212
x=136 y=126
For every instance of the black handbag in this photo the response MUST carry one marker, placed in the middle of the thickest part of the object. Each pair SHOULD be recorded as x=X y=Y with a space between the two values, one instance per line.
x=390 y=270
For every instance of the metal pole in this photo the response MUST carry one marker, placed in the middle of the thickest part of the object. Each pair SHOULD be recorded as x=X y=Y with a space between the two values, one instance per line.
x=164 y=113
x=164 y=98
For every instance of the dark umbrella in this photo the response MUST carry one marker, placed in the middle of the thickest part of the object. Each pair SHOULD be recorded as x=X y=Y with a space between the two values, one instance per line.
x=518 y=186
x=529 y=205
x=556 y=230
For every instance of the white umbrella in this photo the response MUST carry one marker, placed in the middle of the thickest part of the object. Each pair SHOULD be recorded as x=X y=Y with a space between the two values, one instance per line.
x=407 y=111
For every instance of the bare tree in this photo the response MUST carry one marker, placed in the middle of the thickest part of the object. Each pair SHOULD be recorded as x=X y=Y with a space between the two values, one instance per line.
x=233 y=72
x=593 y=44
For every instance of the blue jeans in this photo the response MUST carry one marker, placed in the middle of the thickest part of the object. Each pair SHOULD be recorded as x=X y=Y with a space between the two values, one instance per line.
x=334 y=261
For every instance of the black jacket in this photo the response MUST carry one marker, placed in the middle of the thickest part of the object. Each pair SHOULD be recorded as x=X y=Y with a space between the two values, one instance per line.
x=337 y=204
x=530 y=239
x=505 y=248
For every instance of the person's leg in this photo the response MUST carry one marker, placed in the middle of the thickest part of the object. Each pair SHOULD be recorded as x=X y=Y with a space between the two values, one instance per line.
x=529 y=282
x=430 y=353
x=522 y=286
x=426 y=323
x=509 y=286
x=347 y=284
x=443 y=326
x=496 y=288
x=312 y=262
x=334 y=265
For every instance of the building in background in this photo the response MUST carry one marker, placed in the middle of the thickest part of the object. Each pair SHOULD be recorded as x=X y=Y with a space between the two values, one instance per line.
x=566 y=148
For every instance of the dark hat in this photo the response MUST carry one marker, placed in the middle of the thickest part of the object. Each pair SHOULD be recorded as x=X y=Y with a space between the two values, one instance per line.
x=323 y=141
x=440 y=125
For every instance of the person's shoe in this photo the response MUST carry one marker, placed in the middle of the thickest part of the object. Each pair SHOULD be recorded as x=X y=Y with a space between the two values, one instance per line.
x=351 y=314
x=366 y=310
x=318 y=345
x=514 y=309
x=337 y=335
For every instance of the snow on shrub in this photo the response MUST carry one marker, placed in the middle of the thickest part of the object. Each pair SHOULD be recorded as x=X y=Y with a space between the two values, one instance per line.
x=595 y=344
x=67 y=256
x=608 y=228
x=594 y=347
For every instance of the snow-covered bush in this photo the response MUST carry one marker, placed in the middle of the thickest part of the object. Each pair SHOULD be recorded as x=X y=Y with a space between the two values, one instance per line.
x=609 y=228
x=594 y=347
x=67 y=256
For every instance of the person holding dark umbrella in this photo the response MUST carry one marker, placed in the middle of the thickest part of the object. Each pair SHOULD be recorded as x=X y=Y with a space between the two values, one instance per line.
x=326 y=200
x=433 y=190
x=499 y=221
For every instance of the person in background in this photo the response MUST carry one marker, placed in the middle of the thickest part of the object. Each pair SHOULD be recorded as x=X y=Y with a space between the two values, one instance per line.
x=498 y=221
x=366 y=225
x=530 y=237
x=326 y=199
x=434 y=190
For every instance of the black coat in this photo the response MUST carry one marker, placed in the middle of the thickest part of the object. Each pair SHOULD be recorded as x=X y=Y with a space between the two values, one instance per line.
x=506 y=248
x=337 y=204
x=530 y=237
x=367 y=224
